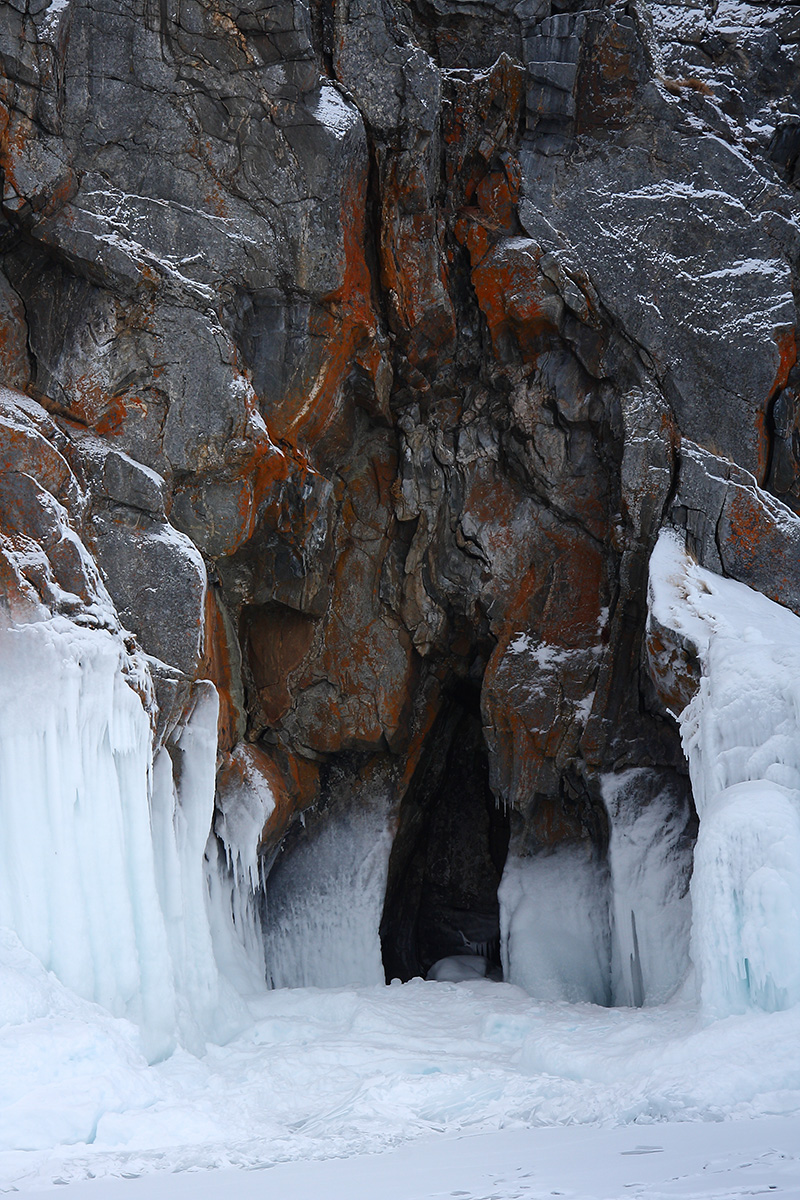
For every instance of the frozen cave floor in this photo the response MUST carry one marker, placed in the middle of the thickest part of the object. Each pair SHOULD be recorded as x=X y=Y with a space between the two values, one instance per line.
x=377 y=1071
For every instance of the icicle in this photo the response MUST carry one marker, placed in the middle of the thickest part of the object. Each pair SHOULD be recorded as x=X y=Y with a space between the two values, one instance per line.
x=637 y=981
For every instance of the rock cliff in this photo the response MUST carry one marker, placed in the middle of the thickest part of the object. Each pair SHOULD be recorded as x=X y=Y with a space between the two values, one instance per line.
x=354 y=353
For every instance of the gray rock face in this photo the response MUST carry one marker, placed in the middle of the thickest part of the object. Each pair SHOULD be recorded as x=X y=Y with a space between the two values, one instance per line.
x=354 y=355
x=735 y=528
x=688 y=234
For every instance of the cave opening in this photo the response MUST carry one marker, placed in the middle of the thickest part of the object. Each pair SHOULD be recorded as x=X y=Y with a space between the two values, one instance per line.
x=449 y=852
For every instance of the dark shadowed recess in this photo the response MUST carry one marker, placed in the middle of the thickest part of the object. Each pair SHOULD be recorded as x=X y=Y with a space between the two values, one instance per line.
x=448 y=856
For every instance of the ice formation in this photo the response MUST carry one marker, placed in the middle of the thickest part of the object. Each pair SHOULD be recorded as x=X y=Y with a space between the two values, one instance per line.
x=627 y=932
x=323 y=911
x=101 y=862
x=108 y=879
x=554 y=926
x=236 y=875
x=576 y=928
x=650 y=862
x=742 y=738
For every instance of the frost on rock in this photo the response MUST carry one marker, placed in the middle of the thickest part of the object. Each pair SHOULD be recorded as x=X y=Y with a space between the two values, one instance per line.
x=101 y=871
x=740 y=733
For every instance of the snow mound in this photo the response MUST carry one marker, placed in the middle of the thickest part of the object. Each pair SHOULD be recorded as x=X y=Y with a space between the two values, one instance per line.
x=321 y=1074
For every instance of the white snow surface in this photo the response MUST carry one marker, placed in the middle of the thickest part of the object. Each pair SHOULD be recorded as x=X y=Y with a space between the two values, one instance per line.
x=689 y=1161
x=330 y=1074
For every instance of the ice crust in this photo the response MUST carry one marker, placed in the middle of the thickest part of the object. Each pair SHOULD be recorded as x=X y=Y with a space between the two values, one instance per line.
x=741 y=735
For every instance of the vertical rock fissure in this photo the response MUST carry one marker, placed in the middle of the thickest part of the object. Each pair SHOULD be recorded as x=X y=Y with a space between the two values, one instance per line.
x=448 y=854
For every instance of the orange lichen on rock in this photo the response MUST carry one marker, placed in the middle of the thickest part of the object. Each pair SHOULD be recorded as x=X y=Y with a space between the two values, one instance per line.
x=787 y=352
x=414 y=275
x=95 y=407
x=217 y=665
x=540 y=680
x=276 y=640
x=756 y=546
x=292 y=782
x=786 y=342
x=27 y=451
x=15 y=131
x=498 y=193
x=343 y=333
x=520 y=304
x=675 y=672
x=357 y=692
x=607 y=77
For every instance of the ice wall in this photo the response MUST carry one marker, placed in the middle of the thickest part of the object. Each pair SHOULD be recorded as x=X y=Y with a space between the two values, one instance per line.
x=101 y=860
x=324 y=900
x=741 y=734
x=650 y=864
x=554 y=925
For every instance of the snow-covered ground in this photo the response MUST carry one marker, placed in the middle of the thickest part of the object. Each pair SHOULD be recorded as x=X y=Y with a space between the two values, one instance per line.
x=692 y=1162
x=351 y=1072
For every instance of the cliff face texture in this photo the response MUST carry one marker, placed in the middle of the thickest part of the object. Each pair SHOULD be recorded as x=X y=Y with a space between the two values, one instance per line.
x=359 y=350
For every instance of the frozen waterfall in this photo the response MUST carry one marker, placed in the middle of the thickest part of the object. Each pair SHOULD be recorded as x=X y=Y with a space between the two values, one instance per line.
x=741 y=734
x=102 y=856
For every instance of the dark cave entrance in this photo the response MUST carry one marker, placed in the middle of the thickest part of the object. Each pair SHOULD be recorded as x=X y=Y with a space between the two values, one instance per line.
x=449 y=852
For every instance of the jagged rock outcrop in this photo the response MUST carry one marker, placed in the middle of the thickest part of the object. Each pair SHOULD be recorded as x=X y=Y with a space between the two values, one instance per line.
x=357 y=350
